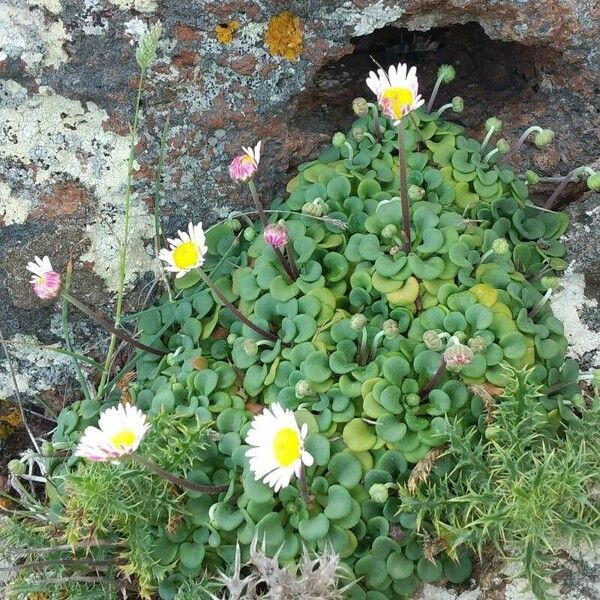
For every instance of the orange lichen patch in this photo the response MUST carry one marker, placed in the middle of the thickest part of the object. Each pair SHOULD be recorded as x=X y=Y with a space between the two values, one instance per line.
x=226 y=31
x=284 y=36
x=10 y=418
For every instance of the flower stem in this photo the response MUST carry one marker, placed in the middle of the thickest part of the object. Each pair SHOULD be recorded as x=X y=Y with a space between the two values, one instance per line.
x=485 y=255
x=437 y=376
x=404 y=189
x=434 y=93
x=490 y=154
x=219 y=294
x=443 y=108
x=520 y=142
x=538 y=307
x=123 y=253
x=361 y=357
x=117 y=333
x=178 y=481
x=292 y=260
x=304 y=484
x=487 y=138
x=375 y=344
x=263 y=219
x=376 y=122
x=561 y=186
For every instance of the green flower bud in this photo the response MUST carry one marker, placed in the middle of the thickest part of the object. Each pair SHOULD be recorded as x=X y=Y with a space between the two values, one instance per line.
x=379 y=493
x=231 y=338
x=593 y=181
x=249 y=234
x=389 y=231
x=303 y=389
x=544 y=138
x=47 y=448
x=322 y=205
x=458 y=104
x=503 y=146
x=412 y=399
x=358 y=322
x=500 y=247
x=549 y=282
x=532 y=177
x=446 y=73
x=433 y=341
x=312 y=208
x=338 y=139
x=394 y=250
x=493 y=123
x=358 y=134
x=390 y=328
x=458 y=356
x=415 y=193
x=360 y=107
x=250 y=347
x=478 y=344
x=16 y=467
x=233 y=224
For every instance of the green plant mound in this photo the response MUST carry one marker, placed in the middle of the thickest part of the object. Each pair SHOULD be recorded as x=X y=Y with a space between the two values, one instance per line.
x=367 y=422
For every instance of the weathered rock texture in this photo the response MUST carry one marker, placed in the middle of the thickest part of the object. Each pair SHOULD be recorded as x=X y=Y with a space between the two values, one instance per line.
x=68 y=83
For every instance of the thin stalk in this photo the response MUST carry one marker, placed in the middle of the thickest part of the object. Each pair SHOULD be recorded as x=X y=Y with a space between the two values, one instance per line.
x=263 y=219
x=434 y=93
x=375 y=344
x=404 y=189
x=123 y=254
x=561 y=186
x=289 y=248
x=350 y=150
x=376 y=123
x=443 y=108
x=490 y=154
x=175 y=480
x=219 y=294
x=75 y=564
x=437 y=376
x=520 y=142
x=117 y=333
x=361 y=358
x=83 y=384
x=304 y=484
x=487 y=137
x=157 y=195
x=534 y=312
x=9 y=366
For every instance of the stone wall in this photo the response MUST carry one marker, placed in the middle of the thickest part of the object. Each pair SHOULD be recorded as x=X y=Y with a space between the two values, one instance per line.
x=68 y=82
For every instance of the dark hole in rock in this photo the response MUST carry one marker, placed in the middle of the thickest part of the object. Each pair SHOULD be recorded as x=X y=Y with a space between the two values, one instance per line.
x=510 y=80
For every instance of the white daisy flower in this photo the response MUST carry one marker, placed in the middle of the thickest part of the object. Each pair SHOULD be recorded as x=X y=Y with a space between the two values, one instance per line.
x=186 y=252
x=243 y=167
x=397 y=90
x=277 y=451
x=46 y=282
x=120 y=431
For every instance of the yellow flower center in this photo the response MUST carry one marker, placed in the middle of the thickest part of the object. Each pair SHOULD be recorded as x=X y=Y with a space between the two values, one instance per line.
x=286 y=446
x=124 y=438
x=398 y=98
x=247 y=158
x=186 y=255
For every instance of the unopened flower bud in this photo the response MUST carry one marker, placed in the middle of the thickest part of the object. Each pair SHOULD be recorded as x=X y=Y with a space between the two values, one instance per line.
x=379 y=493
x=544 y=138
x=358 y=322
x=593 y=181
x=394 y=250
x=458 y=104
x=446 y=73
x=432 y=340
x=360 y=107
x=233 y=224
x=303 y=389
x=276 y=234
x=16 y=467
x=532 y=177
x=231 y=338
x=250 y=347
x=312 y=209
x=47 y=448
x=549 y=282
x=389 y=231
x=249 y=234
x=338 y=139
x=503 y=146
x=322 y=205
x=493 y=123
x=458 y=356
x=390 y=328
x=500 y=247
x=358 y=133
x=478 y=344
x=416 y=193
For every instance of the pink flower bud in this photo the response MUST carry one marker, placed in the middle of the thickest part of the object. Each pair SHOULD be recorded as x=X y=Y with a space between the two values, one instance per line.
x=46 y=282
x=276 y=235
x=458 y=356
x=243 y=167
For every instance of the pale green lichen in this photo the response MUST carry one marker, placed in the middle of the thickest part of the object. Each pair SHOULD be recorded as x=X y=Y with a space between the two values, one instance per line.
x=69 y=142
x=143 y=6
x=13 y=208
x=53 y=6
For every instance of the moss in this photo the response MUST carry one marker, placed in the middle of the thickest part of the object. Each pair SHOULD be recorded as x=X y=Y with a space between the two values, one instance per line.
x=226 y=31
x=284 y=36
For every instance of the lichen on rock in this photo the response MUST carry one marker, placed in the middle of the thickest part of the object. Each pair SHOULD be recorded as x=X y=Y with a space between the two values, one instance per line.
x=284 y=36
